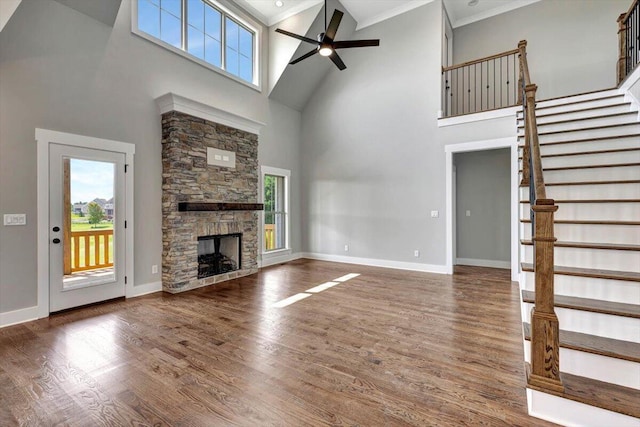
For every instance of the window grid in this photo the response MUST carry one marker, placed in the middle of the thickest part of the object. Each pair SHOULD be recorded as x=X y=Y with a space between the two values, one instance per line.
x=225 y=54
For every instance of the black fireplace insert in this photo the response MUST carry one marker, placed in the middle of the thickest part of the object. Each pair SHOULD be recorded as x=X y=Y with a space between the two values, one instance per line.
x=219 y=254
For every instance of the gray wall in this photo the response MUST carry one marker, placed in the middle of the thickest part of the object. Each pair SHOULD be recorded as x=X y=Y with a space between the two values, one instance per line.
x=483 y=187
x=572 y=45
x=64 y=71
x=373 y=164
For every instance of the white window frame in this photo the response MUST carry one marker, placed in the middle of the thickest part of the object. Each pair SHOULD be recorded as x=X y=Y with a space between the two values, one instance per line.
x=286 y=174
x=244 y=20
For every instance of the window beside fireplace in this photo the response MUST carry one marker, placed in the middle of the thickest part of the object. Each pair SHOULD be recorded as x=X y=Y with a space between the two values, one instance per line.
x=219 y=254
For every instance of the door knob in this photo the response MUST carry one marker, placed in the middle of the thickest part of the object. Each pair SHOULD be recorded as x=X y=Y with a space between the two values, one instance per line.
x=56 y=229
x=56 y=240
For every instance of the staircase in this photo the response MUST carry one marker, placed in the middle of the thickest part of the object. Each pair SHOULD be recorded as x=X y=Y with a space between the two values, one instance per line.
x=590 y=147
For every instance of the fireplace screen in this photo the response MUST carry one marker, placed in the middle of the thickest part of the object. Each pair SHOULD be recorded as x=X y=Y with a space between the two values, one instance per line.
x=219 y=254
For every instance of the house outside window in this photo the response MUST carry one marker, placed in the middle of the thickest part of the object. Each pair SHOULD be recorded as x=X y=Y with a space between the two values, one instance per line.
x=203 y=31
x=275 y=185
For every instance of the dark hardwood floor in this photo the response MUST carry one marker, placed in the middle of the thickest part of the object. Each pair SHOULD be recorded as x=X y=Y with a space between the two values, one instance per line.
x=385 y=348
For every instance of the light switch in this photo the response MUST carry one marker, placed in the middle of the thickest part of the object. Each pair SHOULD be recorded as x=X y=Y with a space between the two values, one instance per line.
x=435 y=214
x=468 y=213
x=217 y=157
x=15 y=219
x=225 y=158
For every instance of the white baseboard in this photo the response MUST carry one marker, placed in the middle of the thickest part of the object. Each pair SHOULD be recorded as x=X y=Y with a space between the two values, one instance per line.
x=399 y=265
x=273 y=260
x=18 y=316
x=484 y=263
x=144 y=289
x=570 y=413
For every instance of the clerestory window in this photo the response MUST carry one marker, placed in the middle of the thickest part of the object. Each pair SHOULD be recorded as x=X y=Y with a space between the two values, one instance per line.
x=202 y=30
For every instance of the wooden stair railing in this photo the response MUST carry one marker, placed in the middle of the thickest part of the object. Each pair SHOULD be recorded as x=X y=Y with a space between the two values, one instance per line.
x=628 y=36
x=545 y=328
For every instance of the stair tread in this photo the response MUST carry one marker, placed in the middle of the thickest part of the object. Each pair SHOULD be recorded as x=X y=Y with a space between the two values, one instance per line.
x=592 y=201
x=613 y=397
x=599 y=138
x=590 y=245
x=626 y=181
x=579 y=110
x=584 y=153
x=591 y=305
x=588 y=222
x=628 y=276
x=613 y=95
x=610 y=165
x=625 y=350
x=581 y=119
x=584 y=129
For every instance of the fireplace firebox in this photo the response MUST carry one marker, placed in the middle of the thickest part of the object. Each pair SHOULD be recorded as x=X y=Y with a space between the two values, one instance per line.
x=219 y=254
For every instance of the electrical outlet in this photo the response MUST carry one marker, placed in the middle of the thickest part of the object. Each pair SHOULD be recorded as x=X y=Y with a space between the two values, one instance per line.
x=435 y=214
x=154 y=269
x=416 y=253
x=346 y=248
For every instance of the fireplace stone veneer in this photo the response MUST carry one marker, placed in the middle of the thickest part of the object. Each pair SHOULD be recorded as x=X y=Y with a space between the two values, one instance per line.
x=186 y=177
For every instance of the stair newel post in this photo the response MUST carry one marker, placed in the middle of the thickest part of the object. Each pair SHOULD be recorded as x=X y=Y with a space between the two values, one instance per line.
x=622 y=48
x=545 y=328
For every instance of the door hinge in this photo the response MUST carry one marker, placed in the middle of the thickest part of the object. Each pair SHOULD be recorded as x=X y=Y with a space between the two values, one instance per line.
x=126 y=166
x=125 y=224
x=125 y=280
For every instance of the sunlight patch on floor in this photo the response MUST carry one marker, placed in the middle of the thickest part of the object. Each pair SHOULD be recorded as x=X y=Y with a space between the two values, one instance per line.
x=322 y=287
x=317 y=289
x=288 y=301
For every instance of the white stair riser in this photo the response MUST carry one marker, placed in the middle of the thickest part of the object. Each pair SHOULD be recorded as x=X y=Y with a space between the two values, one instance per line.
x=605 y=259
x=586 y=322
x=571 y=413
x=604 y=144
x=584 y=101
x=547 y=117
x=583 y=192
x=588 y=133
x=615 y=173
x=596 y=366
x=629 y=234
x=590 y=287
x=593 y=159
x=592 y=211
x=582 y=124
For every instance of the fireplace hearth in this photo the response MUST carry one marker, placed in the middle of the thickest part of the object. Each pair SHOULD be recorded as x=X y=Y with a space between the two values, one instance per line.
x=219 y=254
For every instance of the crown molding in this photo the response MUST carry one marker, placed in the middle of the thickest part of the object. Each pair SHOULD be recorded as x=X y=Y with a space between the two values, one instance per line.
x=173 y=102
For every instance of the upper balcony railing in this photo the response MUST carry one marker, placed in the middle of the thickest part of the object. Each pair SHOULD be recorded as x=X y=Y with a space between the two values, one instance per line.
x=629 y=41
x=481 y=85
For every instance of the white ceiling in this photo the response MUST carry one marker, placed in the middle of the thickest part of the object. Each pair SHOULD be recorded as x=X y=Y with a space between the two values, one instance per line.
x=368 y=12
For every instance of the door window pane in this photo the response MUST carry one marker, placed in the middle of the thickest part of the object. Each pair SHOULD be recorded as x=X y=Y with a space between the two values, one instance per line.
x=274 y=213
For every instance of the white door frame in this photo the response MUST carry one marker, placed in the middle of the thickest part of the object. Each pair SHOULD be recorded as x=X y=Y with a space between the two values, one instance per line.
x=489 y=144
x=45 y=137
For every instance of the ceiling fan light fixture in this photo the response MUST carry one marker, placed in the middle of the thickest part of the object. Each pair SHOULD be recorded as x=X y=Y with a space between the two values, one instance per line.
x=325 y=50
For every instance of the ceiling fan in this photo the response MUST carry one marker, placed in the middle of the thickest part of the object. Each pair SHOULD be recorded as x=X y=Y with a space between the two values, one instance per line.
x=325 y=44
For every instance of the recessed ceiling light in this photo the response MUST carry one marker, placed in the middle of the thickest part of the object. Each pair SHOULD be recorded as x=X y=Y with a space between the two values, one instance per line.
x=279 y=3
x=473 y=2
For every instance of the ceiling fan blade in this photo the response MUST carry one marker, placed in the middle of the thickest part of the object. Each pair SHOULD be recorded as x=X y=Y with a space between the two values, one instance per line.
x=305 y=56
x=333 y=25
x=336 y=60
x=296 y=36
x=355 y=43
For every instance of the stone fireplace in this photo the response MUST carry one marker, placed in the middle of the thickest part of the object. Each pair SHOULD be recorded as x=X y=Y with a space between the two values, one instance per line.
x=209 y=209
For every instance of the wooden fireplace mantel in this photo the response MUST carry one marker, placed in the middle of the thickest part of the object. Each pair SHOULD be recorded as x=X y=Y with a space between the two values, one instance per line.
x=210 y=207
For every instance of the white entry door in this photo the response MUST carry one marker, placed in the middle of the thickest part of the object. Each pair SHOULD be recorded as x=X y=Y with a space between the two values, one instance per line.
x=86 y=226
